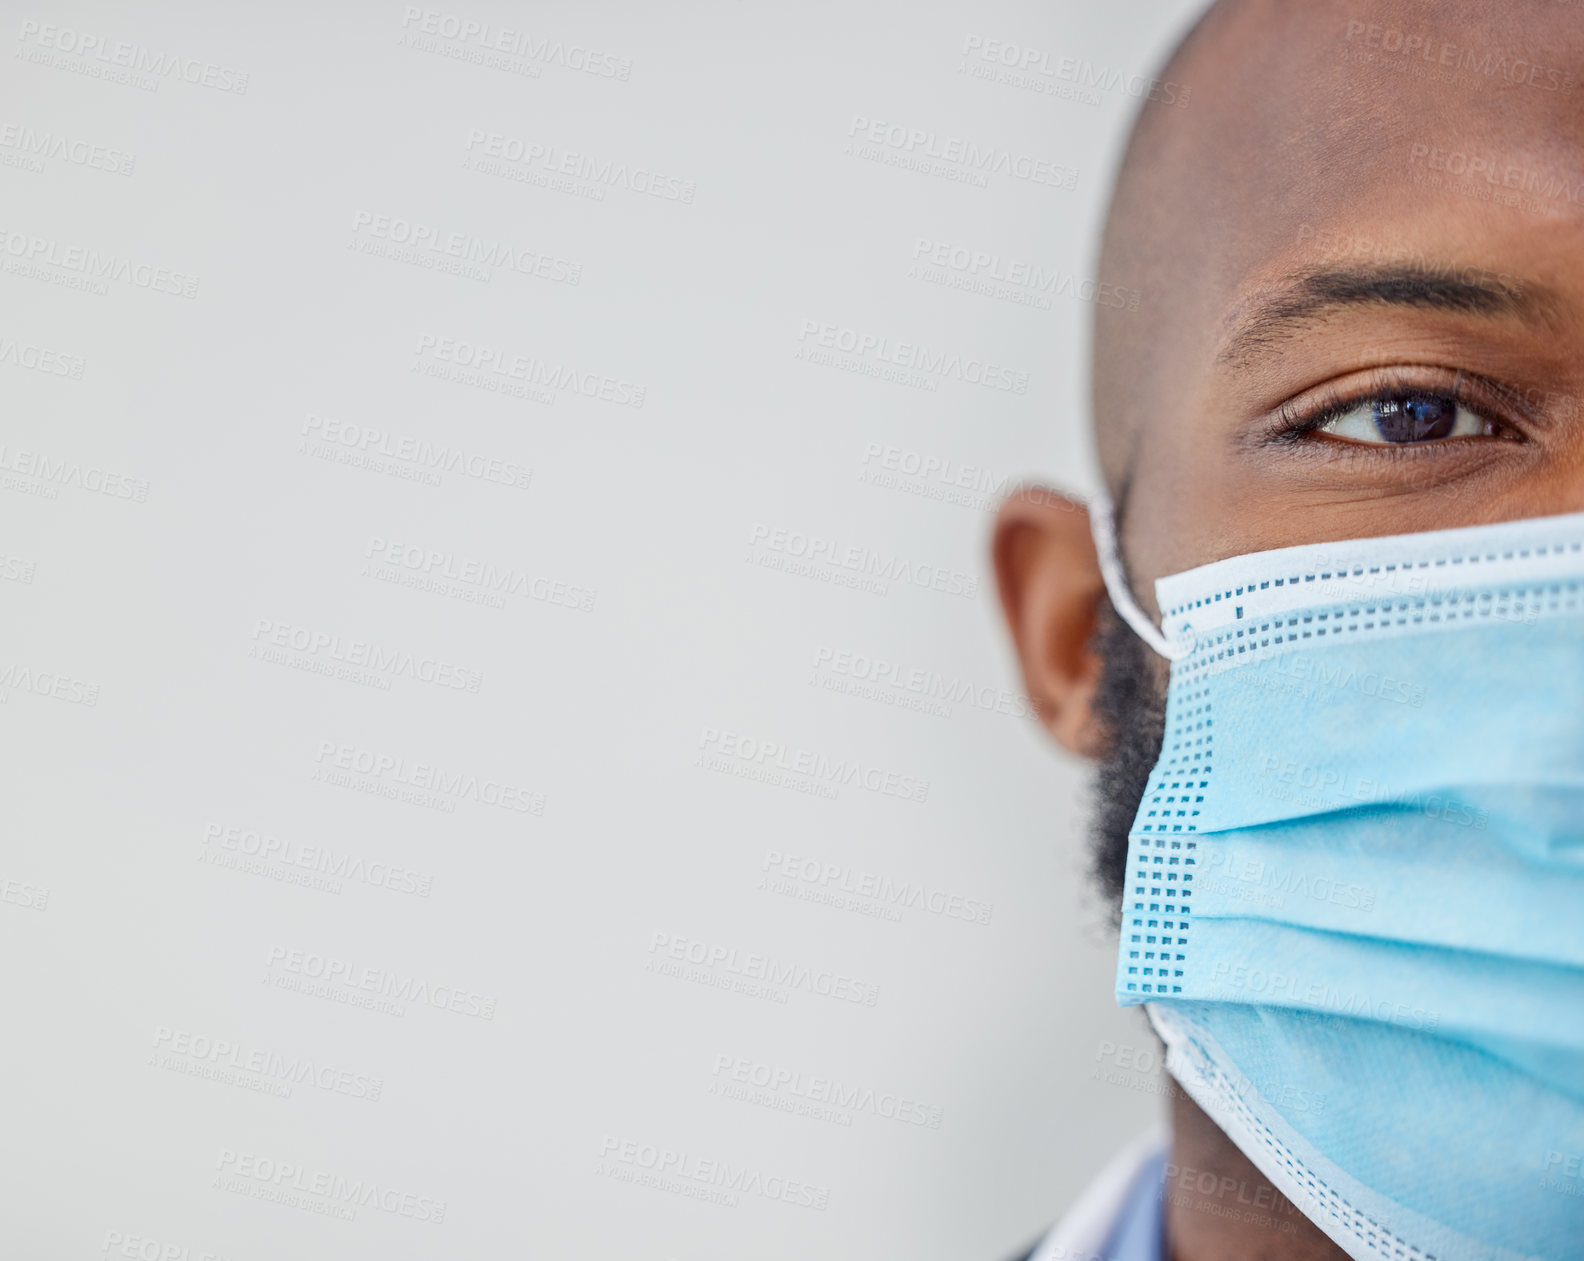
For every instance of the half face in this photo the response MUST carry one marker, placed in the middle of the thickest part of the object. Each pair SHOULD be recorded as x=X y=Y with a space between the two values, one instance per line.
x=1377 y=316
x=1360 y=250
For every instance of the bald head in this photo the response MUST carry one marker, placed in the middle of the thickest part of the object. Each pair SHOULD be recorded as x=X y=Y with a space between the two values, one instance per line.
x=1331 y=136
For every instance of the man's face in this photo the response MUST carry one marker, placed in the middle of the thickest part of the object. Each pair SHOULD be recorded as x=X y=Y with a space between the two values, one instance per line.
x=1380 y=328
x=1361 y=250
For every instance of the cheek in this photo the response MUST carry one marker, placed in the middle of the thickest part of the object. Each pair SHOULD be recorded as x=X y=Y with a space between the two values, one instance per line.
x=1183 y=512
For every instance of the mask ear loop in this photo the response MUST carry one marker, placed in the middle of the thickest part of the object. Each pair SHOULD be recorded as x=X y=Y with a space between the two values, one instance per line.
x=1102 y=526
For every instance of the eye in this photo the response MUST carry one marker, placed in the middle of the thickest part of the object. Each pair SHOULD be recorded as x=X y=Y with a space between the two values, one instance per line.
x=1424 y=411
x=1403 y=418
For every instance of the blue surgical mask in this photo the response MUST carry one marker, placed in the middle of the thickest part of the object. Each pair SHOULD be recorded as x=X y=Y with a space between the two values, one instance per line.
x=1354 y=907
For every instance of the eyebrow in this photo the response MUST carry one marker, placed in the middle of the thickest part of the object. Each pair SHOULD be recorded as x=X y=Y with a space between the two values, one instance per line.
x=1311 y=296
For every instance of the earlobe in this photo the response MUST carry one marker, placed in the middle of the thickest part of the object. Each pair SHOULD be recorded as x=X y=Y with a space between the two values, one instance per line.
x=1051 y=591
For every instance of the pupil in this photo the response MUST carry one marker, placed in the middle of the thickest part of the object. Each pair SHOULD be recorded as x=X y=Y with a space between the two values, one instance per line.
x=1415 y=417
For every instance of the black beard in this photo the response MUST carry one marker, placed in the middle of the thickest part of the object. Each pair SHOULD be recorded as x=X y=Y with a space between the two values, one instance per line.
x=1131 y=715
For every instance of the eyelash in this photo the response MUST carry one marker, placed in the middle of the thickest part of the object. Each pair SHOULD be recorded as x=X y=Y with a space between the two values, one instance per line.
x=1294 y=424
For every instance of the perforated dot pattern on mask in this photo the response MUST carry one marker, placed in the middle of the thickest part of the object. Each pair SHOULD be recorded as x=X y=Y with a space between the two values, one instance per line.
x=1280 y=633
x=1355 y=571
x=1158 y=902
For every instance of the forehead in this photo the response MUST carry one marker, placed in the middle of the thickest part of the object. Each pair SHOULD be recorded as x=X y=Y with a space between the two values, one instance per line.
x=1382 y=132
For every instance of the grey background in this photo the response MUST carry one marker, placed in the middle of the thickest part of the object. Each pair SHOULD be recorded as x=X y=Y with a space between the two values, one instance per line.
x=181 y=517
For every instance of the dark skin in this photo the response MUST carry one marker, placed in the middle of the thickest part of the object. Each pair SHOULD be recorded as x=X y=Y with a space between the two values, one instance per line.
x=1294 y=273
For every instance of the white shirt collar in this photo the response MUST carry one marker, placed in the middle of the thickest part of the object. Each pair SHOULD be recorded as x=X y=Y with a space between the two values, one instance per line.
x=1084 y=1228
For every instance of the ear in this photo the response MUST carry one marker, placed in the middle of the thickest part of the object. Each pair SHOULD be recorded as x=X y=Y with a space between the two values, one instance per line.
x=1051 y=589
